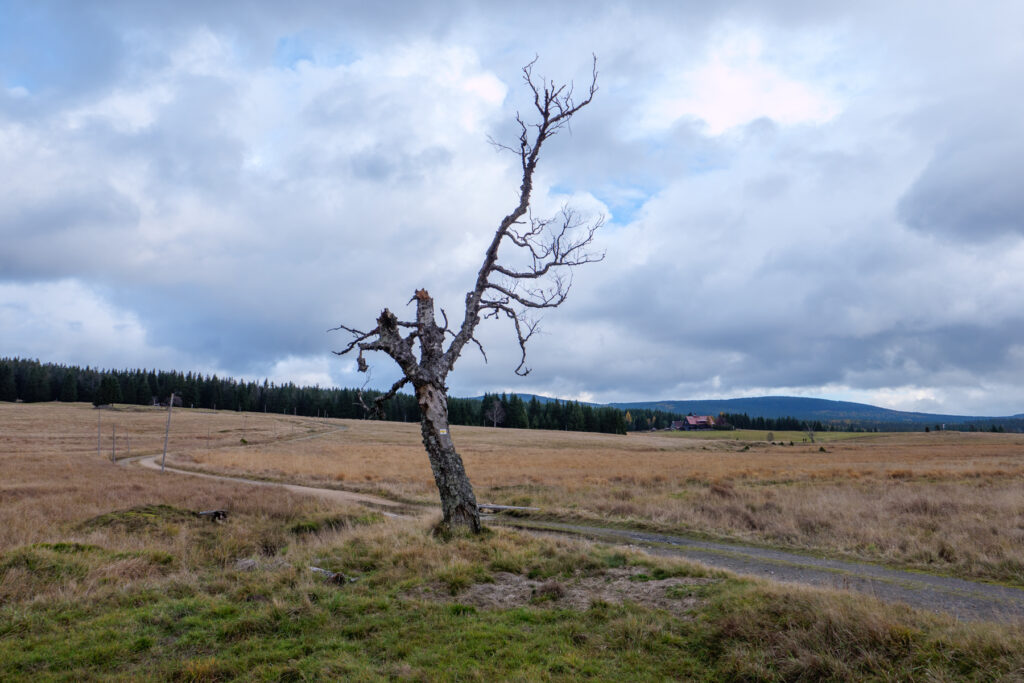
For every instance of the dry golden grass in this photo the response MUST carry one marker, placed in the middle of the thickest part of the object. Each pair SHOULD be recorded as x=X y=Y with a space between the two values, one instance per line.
x=52 y=482
x=105 y=573
x=953 y=501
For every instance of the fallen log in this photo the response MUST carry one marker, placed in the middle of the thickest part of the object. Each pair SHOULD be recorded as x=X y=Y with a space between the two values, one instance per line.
x=214 y=515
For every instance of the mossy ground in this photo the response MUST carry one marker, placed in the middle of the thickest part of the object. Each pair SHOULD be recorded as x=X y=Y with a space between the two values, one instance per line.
x=276 y=620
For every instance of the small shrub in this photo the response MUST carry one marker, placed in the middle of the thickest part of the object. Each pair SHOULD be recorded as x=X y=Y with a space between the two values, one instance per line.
x=723 y=489
x=549 y=591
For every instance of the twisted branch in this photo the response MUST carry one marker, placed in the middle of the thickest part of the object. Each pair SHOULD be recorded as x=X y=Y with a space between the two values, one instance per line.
x=547 y=250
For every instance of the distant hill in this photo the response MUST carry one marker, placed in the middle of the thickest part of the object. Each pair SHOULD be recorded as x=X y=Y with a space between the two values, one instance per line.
x=802 y=408
x=807 y=409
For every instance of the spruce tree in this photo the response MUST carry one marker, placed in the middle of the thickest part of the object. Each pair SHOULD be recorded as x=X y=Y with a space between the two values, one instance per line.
x=69 y=388
x=109 y=393
x=36 y=388
x=8 y=389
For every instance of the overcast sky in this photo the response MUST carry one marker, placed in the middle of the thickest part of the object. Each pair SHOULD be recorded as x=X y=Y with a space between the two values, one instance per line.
x=804 y=198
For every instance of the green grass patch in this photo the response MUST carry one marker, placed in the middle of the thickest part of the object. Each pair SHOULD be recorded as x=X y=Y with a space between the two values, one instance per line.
x=399 y=620
x=141 y=518
x=332 y=522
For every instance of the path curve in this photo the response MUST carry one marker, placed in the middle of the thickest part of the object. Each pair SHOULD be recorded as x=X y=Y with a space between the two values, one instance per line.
x=969 y=600
x=336 y=495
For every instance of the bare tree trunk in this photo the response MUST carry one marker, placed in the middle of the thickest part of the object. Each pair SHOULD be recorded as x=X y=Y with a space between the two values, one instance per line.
x=457 y=500
x=548 y=248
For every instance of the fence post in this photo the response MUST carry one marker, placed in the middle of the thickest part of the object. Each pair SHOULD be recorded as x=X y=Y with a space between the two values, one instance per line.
x=167 y=431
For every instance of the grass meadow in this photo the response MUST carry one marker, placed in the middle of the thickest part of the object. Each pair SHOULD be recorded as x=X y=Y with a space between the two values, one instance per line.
x=107 y=574
x=941 y=501
x=779 y=436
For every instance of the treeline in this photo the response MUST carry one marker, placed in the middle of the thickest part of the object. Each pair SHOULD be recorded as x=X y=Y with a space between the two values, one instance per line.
x=645 y=419
x=31 y=381
x=513 y=412
x=781 y=424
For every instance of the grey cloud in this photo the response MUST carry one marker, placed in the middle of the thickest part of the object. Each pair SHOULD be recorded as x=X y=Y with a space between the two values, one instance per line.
x=766 y=257
x=78 y=229
x=190 y=144
x=971 y=189
x=382 y=164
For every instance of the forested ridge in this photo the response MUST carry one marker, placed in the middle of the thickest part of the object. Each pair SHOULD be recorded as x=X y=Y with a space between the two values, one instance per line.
x=33 y=381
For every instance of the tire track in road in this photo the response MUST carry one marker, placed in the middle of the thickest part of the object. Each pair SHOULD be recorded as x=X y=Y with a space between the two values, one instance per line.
x=964 y=599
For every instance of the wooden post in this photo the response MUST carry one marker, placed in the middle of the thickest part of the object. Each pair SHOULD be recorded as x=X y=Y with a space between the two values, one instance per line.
x=113 y=446
x=167 y=431
x=99 y=434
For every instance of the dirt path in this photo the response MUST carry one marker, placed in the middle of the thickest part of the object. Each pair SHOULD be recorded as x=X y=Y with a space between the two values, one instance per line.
x=969 y=600
x=151 y=462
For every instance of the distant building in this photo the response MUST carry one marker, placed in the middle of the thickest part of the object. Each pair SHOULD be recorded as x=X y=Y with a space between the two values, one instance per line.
x=693 y=422
x=699 y=422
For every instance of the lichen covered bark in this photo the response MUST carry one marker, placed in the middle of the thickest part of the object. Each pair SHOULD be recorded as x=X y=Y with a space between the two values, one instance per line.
x=458 y=502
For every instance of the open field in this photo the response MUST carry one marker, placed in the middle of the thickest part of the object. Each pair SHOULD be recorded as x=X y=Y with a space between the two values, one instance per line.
x=948 y=501
x=784 y=436
x=105 y=573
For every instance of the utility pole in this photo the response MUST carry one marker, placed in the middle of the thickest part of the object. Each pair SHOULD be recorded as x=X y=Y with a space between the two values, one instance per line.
x=167 y=431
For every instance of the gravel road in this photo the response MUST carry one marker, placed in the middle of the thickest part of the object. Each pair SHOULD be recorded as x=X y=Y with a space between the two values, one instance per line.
x=967 y=600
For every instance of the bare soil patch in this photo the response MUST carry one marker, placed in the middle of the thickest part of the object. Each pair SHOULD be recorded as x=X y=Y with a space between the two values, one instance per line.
x=677 y=595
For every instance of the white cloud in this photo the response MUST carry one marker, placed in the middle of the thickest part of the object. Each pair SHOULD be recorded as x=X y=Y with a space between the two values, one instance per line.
x=66 y=321
x=736 y=84
x=194 y=187
x=303 y=371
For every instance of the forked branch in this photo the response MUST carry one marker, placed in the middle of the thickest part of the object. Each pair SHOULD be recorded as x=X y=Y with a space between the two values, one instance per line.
x=548 y=247
x=534 y=274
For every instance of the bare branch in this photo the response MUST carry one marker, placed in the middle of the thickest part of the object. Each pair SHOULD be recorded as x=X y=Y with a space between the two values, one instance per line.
x=359 y=337
x=538 y=275
x=555 y=105
x=479 y=346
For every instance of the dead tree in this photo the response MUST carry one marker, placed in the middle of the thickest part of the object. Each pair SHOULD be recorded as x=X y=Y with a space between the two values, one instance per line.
x=495 y=413
x=533 y=273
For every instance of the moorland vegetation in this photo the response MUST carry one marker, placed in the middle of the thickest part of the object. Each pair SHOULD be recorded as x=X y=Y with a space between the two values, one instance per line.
x=106 y=573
